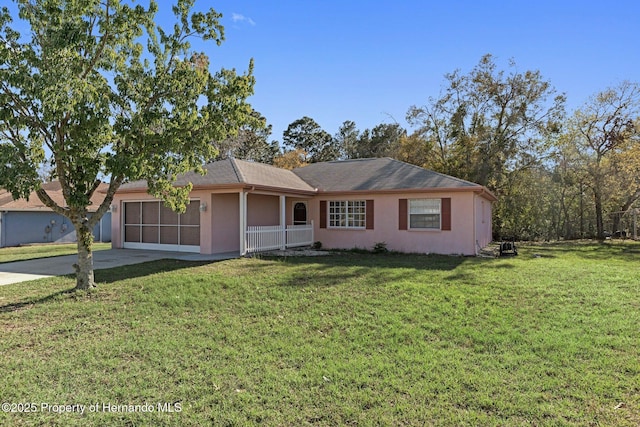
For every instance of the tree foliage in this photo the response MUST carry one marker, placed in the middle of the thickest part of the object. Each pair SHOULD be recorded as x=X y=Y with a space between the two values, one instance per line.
x=605 y=134
x=251 y=142
x=488 y=126
x=291 y=159
x=381 y=141
x=346 y=139
x=98 y=89
x=308 y=136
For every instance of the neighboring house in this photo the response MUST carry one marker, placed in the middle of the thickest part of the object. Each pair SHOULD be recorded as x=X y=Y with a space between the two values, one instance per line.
x=25 y=221
x=241 y=206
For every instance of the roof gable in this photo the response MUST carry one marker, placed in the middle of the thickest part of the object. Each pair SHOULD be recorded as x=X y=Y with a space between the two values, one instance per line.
x=236 y=172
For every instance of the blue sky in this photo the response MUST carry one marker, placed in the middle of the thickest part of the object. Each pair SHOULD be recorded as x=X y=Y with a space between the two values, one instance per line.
x=370 y=61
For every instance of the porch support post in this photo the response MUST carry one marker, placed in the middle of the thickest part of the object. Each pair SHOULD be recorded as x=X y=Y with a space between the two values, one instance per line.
x=283 y=221
x=243 y=223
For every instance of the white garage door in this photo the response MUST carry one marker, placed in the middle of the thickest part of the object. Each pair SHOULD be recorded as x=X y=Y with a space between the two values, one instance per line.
x=151 y=225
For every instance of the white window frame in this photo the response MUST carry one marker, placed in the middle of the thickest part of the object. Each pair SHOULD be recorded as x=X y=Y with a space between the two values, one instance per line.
x=415 y=206
x=344 y=214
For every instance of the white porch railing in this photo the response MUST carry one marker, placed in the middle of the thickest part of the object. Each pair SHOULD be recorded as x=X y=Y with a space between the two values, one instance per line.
x=299 y=235
x=268 y=237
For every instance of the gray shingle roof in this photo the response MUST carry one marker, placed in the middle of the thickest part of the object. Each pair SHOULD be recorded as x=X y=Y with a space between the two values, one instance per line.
x=236 y=172
x=375 y=174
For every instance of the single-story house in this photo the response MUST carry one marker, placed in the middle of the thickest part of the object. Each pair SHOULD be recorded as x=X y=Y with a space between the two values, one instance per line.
x=240 y=206
x=26 y=221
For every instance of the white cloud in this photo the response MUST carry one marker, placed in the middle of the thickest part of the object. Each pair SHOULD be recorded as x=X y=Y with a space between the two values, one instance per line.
x=236 y=17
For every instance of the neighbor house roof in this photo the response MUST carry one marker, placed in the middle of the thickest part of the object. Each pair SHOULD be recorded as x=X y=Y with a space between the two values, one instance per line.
x=235 y=172
x=54 y=189
x=379 y=174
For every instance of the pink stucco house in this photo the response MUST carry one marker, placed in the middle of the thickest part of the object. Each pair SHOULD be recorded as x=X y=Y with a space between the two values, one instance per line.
x=242 y=207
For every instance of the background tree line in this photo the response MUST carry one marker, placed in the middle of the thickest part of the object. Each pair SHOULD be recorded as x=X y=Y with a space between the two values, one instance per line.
x=556 y=175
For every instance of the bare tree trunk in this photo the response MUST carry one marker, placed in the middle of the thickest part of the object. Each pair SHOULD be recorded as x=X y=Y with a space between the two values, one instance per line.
x=84 y=267
x=599 y=214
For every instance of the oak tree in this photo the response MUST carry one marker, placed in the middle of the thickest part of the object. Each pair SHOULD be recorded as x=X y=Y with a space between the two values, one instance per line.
x=488 y=126
x=251 y=142
x=100 y=91
x=606 y=132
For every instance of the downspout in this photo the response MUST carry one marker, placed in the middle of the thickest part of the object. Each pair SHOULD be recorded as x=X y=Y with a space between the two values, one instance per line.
x=283 y=223
x=1 y=234
x=242 y=207
x=475 y=231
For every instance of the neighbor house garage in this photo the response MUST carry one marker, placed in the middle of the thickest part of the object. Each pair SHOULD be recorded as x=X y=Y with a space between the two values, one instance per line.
x=29 y=221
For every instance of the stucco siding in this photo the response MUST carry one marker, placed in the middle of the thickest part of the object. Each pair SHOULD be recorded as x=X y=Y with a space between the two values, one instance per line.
x=225 y=232
x=483 y=221
x=458 y=240
x=263 y=210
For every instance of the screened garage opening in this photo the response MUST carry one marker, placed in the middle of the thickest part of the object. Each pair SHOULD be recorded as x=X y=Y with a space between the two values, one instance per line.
x=151 y=225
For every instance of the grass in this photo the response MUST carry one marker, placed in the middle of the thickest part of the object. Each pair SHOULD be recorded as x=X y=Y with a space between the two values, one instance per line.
x=546 y=338
x=22 y=253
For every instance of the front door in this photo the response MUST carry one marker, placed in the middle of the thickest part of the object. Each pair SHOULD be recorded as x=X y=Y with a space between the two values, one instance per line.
x=300 y=213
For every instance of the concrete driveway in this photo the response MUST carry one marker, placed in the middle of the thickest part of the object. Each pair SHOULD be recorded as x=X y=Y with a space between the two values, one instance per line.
x=22 y=271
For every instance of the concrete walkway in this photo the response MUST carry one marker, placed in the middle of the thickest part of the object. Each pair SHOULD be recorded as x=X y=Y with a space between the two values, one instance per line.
x=22 y=271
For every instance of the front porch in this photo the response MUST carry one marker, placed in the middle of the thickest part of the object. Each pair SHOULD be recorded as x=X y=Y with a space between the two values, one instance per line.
x=260 y=238
x=273 y=222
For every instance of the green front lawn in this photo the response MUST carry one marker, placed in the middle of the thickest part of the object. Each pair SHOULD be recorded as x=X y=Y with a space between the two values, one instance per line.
x=21 y=253
x=550 y=337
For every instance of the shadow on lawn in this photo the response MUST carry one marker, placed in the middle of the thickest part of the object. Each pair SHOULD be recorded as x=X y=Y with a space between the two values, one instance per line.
x=392 y=260
x=144 y=269
x=110 y=275
x=586 y=249
x=336 y=269
x=18 y=305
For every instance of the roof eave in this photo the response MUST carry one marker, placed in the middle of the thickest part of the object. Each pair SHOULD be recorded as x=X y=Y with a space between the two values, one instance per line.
x=232 y=186
x=404 y=190
x=43 y=209
x=486 y=193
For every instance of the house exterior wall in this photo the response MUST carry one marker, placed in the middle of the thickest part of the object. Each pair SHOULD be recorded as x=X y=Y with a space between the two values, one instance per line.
x=220 y=221
x=483 y=212
x=459 y=240
x=206 y=219
x=225 y=229
x=263 y=209
x=25 y=227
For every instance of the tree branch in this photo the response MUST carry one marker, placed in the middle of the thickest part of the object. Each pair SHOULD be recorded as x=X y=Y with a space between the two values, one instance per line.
x=48 y=202
x=115 y=183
